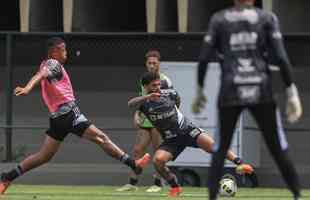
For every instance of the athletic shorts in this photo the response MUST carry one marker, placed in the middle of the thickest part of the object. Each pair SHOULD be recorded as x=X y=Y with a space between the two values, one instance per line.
x=176 y=145
x=71 y=122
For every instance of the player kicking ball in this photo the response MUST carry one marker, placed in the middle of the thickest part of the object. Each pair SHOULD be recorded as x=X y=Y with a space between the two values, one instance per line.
x=159 y=106
x=65 y=117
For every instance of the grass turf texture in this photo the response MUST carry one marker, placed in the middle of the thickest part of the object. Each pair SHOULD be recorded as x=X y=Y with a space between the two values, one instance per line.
x=51 y=192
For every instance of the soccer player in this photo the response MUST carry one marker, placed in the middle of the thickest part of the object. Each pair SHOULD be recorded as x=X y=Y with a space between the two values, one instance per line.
x=65 y=116
x=178 y=132
x=146 y=133
x=245 y=38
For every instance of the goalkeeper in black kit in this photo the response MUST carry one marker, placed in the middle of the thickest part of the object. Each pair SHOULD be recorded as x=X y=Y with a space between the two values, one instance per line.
x=241 y=37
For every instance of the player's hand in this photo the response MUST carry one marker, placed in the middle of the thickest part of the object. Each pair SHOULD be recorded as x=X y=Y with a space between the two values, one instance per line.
x=293 y=106
x=199 y=101
x=21 y=91
x=153 y=96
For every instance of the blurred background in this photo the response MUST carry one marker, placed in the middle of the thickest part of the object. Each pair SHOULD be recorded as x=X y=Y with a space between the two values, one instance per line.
x=107 y=40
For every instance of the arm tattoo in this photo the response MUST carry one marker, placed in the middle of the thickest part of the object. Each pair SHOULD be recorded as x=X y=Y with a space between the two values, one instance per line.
x=136 y=102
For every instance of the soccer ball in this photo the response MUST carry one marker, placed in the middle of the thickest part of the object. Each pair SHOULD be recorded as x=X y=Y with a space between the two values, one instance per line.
x=228 y=187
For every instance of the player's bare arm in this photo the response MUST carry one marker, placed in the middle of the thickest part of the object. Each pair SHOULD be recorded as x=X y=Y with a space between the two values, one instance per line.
x=136 y=119
x=137 y=101
x=30 y=85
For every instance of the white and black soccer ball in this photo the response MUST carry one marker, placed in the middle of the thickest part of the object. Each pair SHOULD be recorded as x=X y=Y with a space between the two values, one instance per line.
x=228 y=187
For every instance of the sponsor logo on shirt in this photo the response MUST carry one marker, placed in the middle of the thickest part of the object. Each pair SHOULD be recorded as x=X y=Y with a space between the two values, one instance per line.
x=243 y=41
x=154 y=117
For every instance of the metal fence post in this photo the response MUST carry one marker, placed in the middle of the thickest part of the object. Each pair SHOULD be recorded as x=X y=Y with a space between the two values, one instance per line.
x=8 y=95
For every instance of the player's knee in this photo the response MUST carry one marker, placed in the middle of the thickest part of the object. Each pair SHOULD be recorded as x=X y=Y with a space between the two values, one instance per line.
x=210 y=147
x=104 y=138
x=99 y=138
x=205 y=142
x=95 y=139
x=159 y=160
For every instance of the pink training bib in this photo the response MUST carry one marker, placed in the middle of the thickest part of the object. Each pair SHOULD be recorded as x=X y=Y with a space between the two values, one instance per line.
x=56 y=88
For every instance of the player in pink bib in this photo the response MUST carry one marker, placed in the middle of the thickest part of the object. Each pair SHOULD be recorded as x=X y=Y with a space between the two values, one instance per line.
x=65 y=116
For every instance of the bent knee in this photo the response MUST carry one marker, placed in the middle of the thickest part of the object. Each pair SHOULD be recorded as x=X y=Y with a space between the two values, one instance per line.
x=99 y=138
x=160 y=159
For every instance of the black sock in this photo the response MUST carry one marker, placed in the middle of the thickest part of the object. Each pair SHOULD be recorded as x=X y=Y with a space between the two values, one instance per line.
x=13 y=174
x=133 y=181
x=238 y=161
x=173 y=182
x=157 y=182
x=126 y=159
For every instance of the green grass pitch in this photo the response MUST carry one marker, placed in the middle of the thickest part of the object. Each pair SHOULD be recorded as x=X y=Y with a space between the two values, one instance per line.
x=51 y=192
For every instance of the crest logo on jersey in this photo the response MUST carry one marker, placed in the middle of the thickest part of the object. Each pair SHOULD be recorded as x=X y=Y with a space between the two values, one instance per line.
x=248 y=15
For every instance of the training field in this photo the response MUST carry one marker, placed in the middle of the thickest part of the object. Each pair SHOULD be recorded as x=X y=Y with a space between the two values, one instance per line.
x=46 y=192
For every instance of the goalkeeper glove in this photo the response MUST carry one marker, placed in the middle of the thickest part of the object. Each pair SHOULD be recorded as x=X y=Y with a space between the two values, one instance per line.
x=199 y=101
x=293 y=106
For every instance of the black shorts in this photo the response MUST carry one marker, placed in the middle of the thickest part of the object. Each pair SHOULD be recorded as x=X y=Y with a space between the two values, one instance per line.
x=176 y=145
x=71 y=122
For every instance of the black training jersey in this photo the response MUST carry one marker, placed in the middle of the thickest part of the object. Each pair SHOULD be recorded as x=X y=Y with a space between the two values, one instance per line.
x=165 y=116
x=244 y=39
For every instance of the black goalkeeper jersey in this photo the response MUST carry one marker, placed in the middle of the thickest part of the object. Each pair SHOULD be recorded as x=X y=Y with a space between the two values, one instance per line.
x=244 y=39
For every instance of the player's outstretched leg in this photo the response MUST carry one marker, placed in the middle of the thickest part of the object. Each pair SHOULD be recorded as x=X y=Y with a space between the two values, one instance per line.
x=4 y=183
x=155 y=141
x=95 y=135
x=143 y=139
x=47 y=151
x=206 y=142
x=161 y=157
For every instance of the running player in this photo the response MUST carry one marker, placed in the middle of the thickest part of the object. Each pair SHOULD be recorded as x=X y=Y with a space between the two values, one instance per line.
x=146 y=133
x=243 y=36
x=65 y=116
x=159 y=106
